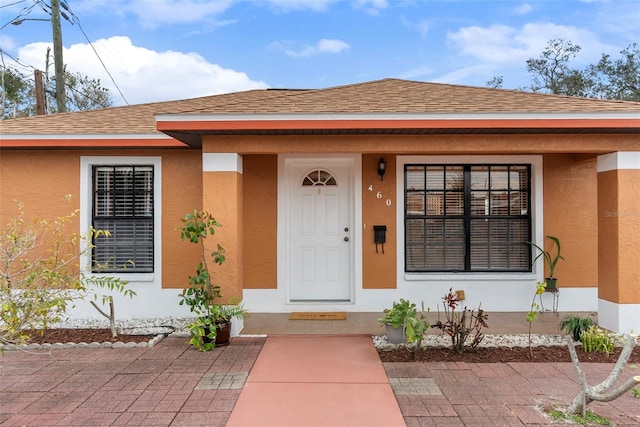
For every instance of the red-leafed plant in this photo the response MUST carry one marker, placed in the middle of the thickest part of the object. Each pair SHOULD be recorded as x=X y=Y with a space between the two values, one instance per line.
x=464 y=327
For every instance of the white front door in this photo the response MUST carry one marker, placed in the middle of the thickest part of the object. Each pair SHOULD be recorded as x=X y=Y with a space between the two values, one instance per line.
x=320 y=243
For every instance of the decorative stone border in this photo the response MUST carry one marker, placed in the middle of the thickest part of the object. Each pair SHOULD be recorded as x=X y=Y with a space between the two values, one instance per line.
x=56 y=346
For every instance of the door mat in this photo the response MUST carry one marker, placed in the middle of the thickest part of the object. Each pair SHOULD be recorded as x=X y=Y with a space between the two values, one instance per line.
x=321 y=315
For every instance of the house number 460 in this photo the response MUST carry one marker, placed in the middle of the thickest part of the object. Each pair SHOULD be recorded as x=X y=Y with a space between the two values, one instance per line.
x=379 y=196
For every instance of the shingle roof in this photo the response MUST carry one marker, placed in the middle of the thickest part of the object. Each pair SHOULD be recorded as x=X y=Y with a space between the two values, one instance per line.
x=403 y=96
x=391 y=96
x=127 y=120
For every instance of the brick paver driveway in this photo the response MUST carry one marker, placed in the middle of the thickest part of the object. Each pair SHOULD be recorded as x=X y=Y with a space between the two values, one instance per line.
x=173 y=384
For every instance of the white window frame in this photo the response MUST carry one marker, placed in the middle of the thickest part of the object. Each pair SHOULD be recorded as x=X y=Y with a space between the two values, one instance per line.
x=536 y=215
x=86 y=200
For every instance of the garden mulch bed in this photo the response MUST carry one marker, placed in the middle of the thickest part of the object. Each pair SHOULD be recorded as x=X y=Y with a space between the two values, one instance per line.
x=503 y=354
x=400 y=354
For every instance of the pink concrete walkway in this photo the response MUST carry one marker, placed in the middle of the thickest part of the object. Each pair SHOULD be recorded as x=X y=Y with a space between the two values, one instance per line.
x=317 y=381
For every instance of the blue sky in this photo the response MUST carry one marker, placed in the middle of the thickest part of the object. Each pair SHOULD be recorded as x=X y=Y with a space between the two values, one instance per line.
x=157 y=50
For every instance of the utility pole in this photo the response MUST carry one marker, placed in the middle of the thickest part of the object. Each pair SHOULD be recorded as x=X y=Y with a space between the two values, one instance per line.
x=39 y=93
x=61 y=96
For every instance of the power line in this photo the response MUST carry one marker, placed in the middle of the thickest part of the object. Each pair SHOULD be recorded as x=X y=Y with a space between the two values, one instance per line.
x=73 y=20
x=76 y=20
x=16 y=60
x=23 y=13
x=13 y=4
x=103 y=64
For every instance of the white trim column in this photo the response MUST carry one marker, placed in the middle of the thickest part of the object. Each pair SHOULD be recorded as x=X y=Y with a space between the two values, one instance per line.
x=222 y=198
x=619 y=241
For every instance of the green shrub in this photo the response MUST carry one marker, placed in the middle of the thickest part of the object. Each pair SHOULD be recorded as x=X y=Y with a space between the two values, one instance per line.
x=575 y=325
x=597 y=340
x=41 y=275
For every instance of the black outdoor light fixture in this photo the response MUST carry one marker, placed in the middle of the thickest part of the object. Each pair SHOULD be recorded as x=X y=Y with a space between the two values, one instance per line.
x=382 y=168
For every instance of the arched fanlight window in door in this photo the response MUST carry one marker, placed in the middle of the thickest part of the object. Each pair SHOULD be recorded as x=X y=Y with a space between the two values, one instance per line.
x=319 y=177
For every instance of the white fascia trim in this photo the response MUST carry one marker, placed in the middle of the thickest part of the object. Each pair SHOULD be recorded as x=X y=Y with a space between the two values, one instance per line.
x=222 y=162
x=389 y=116
x=89 y=136
x=619 y=160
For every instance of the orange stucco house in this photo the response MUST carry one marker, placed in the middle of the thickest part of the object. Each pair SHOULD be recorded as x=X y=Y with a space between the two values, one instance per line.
x=294 y=176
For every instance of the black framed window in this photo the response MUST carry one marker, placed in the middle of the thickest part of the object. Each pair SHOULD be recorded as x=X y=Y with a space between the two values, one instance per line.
x=123 y=205
x=467 y=218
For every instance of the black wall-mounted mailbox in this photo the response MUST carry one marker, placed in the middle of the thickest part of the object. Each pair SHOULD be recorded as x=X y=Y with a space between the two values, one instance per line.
x=380 y=233
x=380 y=236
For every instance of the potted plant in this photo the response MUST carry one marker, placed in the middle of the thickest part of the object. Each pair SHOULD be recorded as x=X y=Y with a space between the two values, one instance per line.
x=212 y=325
x=551 y=261
x=402 y=323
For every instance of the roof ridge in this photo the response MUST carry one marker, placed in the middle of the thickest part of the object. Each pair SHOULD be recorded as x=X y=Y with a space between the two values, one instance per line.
x=517 y=91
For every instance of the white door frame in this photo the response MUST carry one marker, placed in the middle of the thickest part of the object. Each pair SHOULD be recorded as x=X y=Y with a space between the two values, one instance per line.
x=355 y=207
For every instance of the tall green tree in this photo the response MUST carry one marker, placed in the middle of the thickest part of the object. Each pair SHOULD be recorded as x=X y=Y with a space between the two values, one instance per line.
x=609 y=78
x=617 y=78
x=16 y=92
x=552 y=73
x=83 y=93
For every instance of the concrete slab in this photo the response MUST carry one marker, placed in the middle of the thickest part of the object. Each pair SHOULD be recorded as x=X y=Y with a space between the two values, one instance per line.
x=316 y=404
x=317 y=381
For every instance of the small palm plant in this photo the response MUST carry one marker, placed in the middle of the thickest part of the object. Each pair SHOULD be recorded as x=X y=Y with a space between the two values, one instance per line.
x=575 y=325
x=549 y=259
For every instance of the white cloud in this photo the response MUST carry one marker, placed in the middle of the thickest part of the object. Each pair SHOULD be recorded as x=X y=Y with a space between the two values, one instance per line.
x=462 y=75
x=296 y=5
x=494 y=43
x=417 y=72
x=622 y=19
x=7 y=43
x=506 y=44
x=331 y=46
x=523 y=9
x=371 y=7
x=144 y=75
x=153 y=13
x=422 y=27
x=321 y=47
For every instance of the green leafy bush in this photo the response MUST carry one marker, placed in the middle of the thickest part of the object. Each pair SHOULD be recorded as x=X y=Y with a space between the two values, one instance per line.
x=203 y=297
x=575 y=325
x=404 y=314
x=597 y=340
x=41 y=275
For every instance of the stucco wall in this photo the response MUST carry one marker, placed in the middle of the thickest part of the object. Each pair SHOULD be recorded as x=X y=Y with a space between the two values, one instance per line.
x=260 y=214
x=619 y=222
x=223 y=199
x=181 y=193
x=379 y=269
x=571 y=214
x=42 y=178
